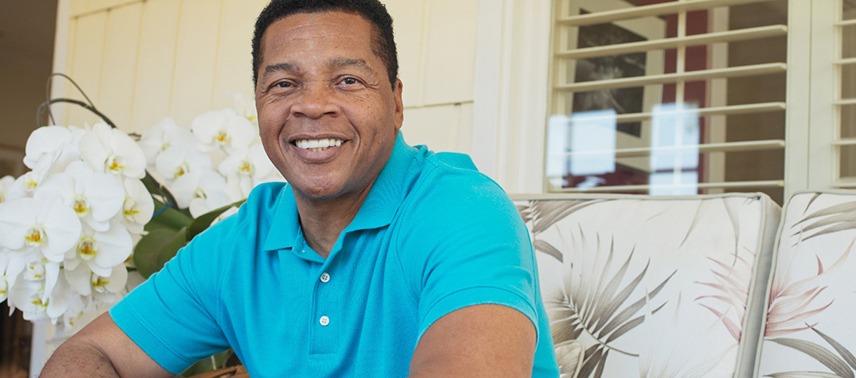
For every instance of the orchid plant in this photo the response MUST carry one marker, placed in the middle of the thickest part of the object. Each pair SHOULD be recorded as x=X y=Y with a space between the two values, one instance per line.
x=98 y=203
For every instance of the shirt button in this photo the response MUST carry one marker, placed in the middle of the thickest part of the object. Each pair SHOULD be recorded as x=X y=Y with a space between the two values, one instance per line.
x=325 y=277
x=324 y=321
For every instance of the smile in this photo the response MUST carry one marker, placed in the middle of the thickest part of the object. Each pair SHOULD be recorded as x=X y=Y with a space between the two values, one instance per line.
x=317 y=145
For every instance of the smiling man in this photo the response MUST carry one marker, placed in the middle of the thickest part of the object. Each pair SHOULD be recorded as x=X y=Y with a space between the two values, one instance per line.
x=377 y=259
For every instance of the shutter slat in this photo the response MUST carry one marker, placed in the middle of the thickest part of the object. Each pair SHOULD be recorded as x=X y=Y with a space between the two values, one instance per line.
x=844 y=142
x=712 y=111
x=846 y=101
x=701 y=185
x=666 y=43
x=844 y=62
x=755 y=145
x=649 y=10
x=718 y=73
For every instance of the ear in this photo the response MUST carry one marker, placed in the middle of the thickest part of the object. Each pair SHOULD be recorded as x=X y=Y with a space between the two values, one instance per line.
x=399 y=104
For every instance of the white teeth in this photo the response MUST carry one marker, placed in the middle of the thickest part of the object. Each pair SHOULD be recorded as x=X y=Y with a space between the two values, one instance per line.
x=318 y=144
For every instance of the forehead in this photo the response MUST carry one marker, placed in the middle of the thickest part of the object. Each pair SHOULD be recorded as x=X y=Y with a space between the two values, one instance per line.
x=322 y=31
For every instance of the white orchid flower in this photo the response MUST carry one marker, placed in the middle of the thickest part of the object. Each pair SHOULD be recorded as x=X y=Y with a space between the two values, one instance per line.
x=101 y=252
x=49 y=144
x=86 y=283
x=138 y=207
x=17 y=262
x=180 y=159
x=27 y=296
x=45 y=225
x=27 y=184
x=162 y=136
x=110 y=150
x=4 y=288
x=8 y=189
x=112 y=284
x=244 y=169
x=58 y=302
x=94 y=196
x=4 y=281
x=50 y=271
x=75 y=313
x=223 y=129
x=244 y=104
x=201 y=192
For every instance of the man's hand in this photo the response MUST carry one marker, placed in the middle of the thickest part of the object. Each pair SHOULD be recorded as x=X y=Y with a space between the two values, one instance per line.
x=477 y=341
x=101 y=349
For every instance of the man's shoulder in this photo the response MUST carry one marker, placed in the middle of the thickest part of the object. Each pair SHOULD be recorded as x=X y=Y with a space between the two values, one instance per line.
x=455 y=175
x=451 y=192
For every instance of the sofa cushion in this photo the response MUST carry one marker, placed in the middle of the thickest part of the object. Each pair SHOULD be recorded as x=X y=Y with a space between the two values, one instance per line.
x=809 y=328
x=654 y=286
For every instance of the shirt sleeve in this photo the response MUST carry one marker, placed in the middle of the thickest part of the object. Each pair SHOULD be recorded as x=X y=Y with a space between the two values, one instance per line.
x=464 y=244
x=172 y=315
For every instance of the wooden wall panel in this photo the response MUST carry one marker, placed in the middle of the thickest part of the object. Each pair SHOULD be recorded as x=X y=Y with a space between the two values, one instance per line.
x=81 y=7
x=408 y=22
x=441 y=128
x=116 y=93
x=153 y=84
x=86 y=62
x=449 y=56
x=195 y=59
x=145 y=60
x=234 y=56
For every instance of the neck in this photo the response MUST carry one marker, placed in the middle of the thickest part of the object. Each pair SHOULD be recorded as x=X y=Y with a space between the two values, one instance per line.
x=324 y=220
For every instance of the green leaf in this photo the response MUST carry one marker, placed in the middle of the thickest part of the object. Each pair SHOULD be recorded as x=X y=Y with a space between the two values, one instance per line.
x=168 y=218
x=206 y=364
x=156 y=188
x=156 y=248
x=202 y=222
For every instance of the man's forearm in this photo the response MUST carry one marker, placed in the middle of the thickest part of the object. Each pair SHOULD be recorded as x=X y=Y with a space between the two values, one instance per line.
x=101 y=349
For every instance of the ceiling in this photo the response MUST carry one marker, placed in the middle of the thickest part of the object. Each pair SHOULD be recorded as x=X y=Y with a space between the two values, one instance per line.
x=26 y=59
x=27 y=28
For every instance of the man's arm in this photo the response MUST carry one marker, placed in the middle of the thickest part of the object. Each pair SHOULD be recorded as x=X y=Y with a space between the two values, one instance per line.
x=477 y=341
x=101 y=349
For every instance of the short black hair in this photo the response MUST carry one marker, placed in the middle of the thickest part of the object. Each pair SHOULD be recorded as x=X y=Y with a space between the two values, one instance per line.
x=383 y=44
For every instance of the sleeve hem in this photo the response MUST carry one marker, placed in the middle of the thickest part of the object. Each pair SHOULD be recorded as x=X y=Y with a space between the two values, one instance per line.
x=137 y=330
x=479 y=296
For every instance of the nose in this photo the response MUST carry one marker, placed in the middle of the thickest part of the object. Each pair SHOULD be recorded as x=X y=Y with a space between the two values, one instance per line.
x=315 y=101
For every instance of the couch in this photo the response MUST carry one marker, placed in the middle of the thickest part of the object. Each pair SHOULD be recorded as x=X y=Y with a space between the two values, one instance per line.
x=725 y=285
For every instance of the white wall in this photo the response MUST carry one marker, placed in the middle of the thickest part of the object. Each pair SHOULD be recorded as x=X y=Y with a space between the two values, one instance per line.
x=142 y=60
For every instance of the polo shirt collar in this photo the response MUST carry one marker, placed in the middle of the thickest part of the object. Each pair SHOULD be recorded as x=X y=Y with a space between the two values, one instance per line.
x=377 y=210
x=388 y=190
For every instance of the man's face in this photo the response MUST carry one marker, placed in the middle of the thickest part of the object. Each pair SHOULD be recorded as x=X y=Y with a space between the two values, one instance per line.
x=327 y=113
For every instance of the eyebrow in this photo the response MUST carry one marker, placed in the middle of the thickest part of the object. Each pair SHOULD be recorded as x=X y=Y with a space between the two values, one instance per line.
x=287 y=67
x=332 y=63
x=350 y=62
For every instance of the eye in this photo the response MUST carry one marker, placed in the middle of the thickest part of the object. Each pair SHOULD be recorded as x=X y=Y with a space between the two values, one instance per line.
x=350 y=82
x=282 y=86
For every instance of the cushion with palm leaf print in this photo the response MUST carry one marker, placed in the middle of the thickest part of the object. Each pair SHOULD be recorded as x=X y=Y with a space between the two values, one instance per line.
x=809 y=329
x=653 y=286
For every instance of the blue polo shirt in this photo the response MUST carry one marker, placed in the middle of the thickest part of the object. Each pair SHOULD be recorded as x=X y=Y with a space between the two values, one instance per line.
x=432 y=236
